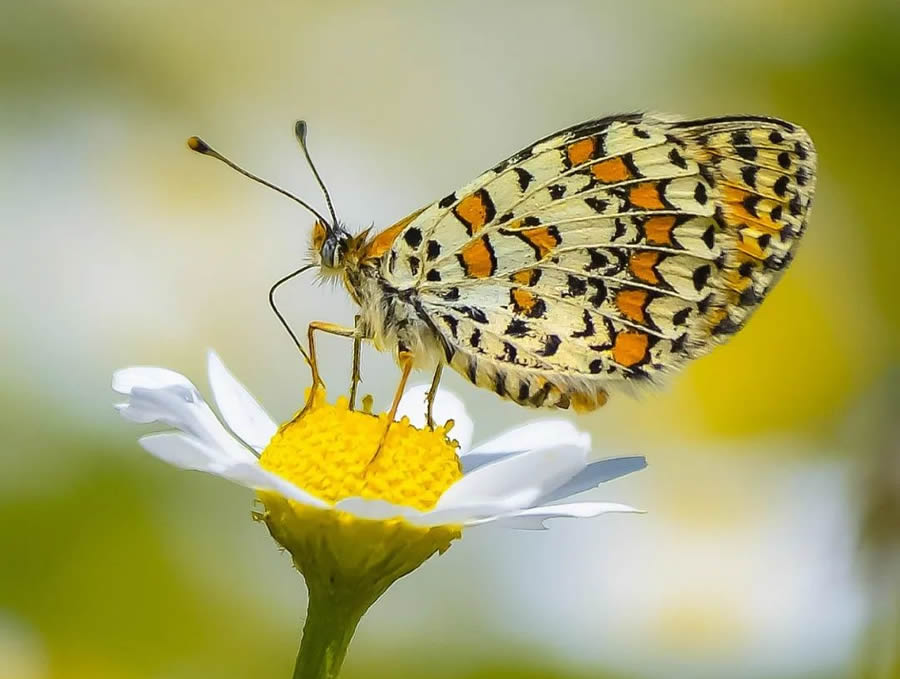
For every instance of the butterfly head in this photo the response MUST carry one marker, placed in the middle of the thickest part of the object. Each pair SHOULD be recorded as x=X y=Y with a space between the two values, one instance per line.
x=329 y=246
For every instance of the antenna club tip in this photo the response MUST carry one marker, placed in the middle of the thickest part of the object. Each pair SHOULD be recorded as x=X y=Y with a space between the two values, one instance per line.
x=198 y=145
x=300 y=129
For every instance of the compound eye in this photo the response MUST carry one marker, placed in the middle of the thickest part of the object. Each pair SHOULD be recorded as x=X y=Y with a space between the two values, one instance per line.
x=329 y=250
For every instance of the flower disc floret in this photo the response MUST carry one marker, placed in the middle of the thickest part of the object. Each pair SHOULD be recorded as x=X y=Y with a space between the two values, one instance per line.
x=329 y=451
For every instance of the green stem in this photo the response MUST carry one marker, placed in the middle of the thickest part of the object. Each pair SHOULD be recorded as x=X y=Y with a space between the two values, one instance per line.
x=330 y=623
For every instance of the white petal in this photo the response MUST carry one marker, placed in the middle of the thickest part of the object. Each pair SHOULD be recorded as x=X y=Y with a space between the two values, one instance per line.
x=534 y=518
x=447 y=406
x=186 y=452
x=466 y=515
x=518 y=480
x=595 y=474
x=181 y=451
x=251 y=475
x=241 y=412
x=376 y=509
x=540 y=434
x=149 y=377
x=158 y=395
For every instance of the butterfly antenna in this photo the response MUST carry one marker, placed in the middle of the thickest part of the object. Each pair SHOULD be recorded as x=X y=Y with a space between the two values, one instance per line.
x=300 y=129
x=200 y=146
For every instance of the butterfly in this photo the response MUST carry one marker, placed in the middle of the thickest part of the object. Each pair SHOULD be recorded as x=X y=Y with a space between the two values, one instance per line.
x=605 y=255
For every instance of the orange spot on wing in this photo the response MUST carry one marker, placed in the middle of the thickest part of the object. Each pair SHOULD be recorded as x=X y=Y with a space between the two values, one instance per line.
x=383 y=241
x=611 y=171
x=581 y=151
x=583 y=403
x=736 y=212
x=659 y=230
x=541 y=238
x=641 y=265
x=632 y=303
x=477 y=258
x=474 y=210
x=630 y=348
x=646 y=195
x=522 y=277
x=716 y=316
x=749 y=244
x=523 y=300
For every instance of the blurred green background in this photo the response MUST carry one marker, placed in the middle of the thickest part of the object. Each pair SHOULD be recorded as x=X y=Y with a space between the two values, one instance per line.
x=772 y=544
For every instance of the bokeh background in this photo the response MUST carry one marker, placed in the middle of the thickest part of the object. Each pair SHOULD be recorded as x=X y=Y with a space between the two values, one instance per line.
x=772 y=544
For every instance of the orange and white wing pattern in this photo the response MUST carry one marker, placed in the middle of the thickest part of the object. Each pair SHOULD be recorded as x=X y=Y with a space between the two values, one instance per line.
x=608 y=253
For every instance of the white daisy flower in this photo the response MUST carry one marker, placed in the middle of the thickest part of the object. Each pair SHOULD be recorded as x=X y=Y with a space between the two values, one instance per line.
x=352 y=521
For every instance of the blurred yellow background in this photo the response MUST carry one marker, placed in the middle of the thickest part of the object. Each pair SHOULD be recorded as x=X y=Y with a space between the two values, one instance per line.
x=772 y=544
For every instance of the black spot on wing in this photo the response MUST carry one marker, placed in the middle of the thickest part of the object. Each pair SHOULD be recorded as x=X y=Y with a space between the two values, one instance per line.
x=509 y=353
x=525 y=178
x=677 y=159
x=522 y=396
x=750 y=204
x=472 y=370
x=596 y=204
x=516 y=328
x=576 y=287
x=700 y=276
x=551 y=345
x=748 y=174
x=781 y=184
x=474 y=313
x=447 y=201
x=413 y=237
x=747 y=152
x=681 y=316
x=500 y=383
x=589 y=329
x=432 y=250
x=452 y=324
x=700 y=194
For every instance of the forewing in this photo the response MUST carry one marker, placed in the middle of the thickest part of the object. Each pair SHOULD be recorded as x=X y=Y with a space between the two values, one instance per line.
x=614 y=250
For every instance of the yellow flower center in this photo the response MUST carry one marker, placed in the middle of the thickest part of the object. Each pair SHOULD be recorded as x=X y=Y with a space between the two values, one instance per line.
x=329 y=451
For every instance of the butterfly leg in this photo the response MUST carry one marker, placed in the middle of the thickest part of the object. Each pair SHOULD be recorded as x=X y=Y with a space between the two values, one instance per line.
x=331 y=329
x=355 y=377
x=432 y=392
x=406 y=365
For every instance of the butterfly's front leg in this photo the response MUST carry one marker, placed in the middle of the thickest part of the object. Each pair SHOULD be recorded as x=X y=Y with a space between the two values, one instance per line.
x=331 y=329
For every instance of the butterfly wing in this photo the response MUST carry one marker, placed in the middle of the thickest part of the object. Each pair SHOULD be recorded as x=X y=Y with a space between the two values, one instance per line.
x=609 y=253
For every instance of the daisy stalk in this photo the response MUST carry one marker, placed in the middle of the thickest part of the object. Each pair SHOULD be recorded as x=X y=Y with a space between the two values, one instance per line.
x=354 y=523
